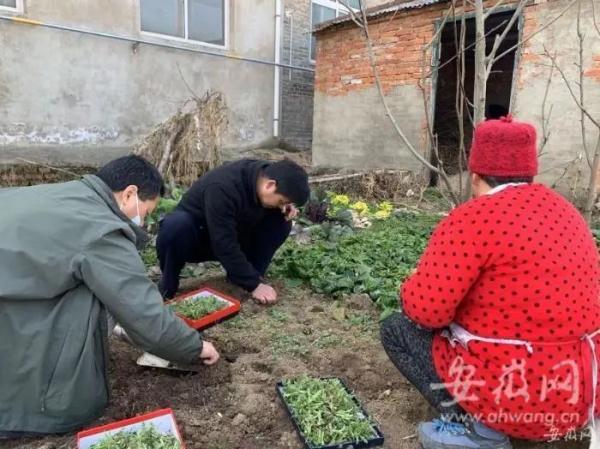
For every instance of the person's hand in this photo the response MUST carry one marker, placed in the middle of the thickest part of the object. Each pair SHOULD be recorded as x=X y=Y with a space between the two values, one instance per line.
x=290 y=212
x=264 y=294
x=209 y=354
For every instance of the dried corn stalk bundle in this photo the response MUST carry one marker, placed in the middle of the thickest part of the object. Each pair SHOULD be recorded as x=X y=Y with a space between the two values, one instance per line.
x=190 y=141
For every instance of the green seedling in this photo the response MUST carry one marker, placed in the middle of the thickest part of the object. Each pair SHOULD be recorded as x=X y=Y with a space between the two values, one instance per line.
x=145 y=438
x=289 y=344
x=364 y=322
x=237 y=323
x=278 y=315
x=325 y=412
x=198 y=307
x=149 y=256
x=328 y=341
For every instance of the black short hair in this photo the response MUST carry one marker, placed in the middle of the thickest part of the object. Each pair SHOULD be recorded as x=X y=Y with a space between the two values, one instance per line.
x=291 y=179
x=133 y=170
x=495 y=181
x=496 y=111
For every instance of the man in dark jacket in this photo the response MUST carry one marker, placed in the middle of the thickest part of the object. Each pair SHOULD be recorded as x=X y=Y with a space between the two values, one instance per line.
x=237 y=214
x=68 y=258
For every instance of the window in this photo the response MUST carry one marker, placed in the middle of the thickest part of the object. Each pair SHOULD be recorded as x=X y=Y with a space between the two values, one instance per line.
x=324 y=10
x=11 y=5
x=194 y=20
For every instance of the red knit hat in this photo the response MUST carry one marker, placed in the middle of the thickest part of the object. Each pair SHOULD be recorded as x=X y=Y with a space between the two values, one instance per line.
x=504 y=148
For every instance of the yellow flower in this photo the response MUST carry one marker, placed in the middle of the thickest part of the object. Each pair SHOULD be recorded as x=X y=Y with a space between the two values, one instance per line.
x=385 y=206
x=340 y=200
x=361 y=207
x=382 y=214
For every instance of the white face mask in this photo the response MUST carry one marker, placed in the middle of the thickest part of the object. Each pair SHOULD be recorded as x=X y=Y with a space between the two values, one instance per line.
x=137 y=219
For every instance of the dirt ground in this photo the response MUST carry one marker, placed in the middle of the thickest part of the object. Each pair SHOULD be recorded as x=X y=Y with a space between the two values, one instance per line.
x=233 y=405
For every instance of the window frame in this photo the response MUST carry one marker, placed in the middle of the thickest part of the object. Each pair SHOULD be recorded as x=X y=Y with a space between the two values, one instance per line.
x=17 y=9
x=186 y=39
x=331 y=4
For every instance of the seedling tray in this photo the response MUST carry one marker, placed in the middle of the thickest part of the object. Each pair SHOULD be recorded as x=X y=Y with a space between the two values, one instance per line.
x=162 y=420
x=231 y=310
x=376 y=440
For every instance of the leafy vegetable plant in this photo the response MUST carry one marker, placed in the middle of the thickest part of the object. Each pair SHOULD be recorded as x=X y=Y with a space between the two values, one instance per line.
x=195 y=308
x=326 y=412
x=165 y=206
x=374 y=261
x=145 y=438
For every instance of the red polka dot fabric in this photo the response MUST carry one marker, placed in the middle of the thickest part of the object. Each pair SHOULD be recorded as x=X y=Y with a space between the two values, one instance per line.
x=517 y=264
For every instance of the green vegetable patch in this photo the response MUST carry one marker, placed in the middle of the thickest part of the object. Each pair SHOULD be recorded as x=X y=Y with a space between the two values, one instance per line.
x=374 y=261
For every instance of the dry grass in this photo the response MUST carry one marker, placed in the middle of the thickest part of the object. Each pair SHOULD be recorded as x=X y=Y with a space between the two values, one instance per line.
x=371 y=186
x=189 y=142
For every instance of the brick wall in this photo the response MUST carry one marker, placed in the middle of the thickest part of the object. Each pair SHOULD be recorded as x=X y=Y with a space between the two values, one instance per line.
x=342 y=60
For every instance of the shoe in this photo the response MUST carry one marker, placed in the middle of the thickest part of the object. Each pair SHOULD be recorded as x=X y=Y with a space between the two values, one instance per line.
x=441 y=434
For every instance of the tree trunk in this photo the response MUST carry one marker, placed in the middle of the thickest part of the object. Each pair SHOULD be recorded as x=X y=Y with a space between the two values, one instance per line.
x=592 y=191
x=479 y=92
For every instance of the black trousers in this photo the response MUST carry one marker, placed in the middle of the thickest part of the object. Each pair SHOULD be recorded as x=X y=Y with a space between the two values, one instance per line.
x=409 y=347
x=181 y=241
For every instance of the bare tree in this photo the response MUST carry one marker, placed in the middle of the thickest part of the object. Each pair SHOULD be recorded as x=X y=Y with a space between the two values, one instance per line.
x=546 y=116
x=362 y=22
x=578 y=96
x=485 y=60
x=462 y=100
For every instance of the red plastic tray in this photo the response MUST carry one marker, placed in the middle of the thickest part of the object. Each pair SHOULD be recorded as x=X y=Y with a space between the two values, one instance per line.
x=213 y=318
x=163 y=420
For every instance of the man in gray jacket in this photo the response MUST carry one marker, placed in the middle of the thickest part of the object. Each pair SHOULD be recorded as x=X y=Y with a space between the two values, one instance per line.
x=68 y=257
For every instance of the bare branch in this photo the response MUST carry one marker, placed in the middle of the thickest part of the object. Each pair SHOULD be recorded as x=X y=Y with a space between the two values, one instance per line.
x=388 y=112
x=190 y=90
x=546 y=119
x=566 y=166
x=393 y=16
x=481 y=69
x=499 y=38
x=433 y=138
x=459 y=104
x=424 y=93
x=579 y=65
x=353 y=15
x=426 y=105
x=594 y=17
x=467 y=48
x=493 y=9
x=536 y=32
x=562 y=74
x=592 y=192
x=441 y=27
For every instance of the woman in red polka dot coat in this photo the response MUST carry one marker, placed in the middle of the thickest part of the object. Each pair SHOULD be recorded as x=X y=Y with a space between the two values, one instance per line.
x=500 y=318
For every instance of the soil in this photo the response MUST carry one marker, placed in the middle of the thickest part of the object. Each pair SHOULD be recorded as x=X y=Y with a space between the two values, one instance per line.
x=234 y=404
